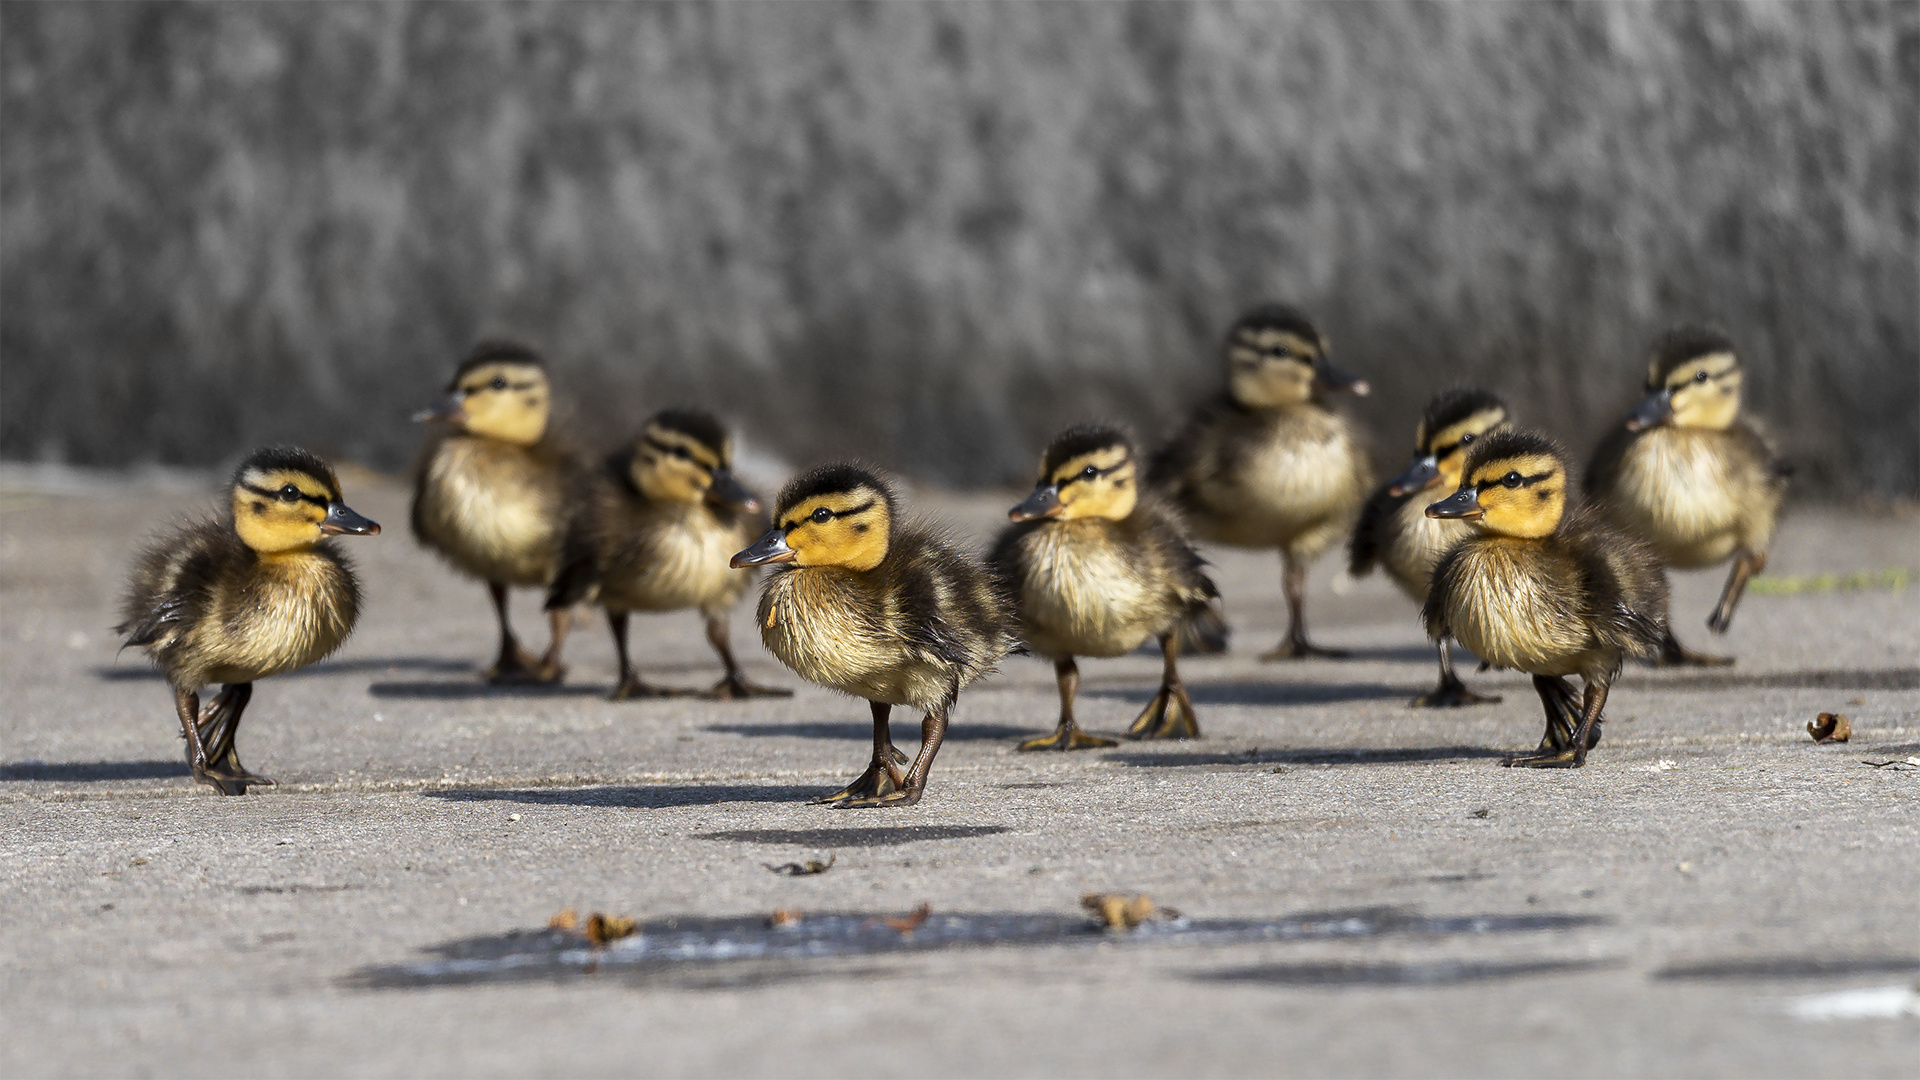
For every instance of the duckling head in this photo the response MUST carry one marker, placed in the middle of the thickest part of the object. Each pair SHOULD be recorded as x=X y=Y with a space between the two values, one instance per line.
x=1693 y=381
x=286 y=500
x=1454 y=421
x=835 y=515
x=499 y=392
x=685 y=456
x=1514 y=483
x=1087 y=471
x=1277 y=358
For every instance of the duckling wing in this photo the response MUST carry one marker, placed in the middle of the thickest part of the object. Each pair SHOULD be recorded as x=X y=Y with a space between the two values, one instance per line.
x=1603 y=469
x=170 y=584
x=1197 y=453
x=1623 y=589
x=1369 y=532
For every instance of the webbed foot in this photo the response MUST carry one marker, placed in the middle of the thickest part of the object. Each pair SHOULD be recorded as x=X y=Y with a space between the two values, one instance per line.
x=1674 y=654
x=521 y=668
x=903 y=797
x=1067 y=736
x=1168 y=716
x=736 y=687
x=633 y=687
x=1564 y=759
x=1299 y=648
x=884 y=777
x=1451 y=695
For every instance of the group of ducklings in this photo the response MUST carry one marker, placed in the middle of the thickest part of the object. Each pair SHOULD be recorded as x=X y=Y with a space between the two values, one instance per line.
x=1483 y=530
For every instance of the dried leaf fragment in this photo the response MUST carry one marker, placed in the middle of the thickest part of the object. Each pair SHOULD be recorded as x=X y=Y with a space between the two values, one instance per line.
x=811 y=866
x=1118 y=912
x=912 y=921
x=1831 y=727
x=604 y=928
x=567 y=919
x=784 y=917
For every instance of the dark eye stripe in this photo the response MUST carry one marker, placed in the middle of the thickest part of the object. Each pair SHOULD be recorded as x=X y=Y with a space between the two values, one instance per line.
x=795 y=523
x=1692 y=380
x=1499 y=481
x=1081 y=473
x=275 y=495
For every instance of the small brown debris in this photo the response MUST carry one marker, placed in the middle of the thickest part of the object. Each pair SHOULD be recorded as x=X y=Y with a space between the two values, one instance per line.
x=1118 y=912
x=1831 y=727
x=567 y=919
x=138 y=862
x=604 y=928
x=913 y=919
x=1482 y=813
x=784 y=917
x=811 y=866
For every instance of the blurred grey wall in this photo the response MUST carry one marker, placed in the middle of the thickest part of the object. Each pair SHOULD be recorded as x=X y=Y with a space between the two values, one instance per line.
x=933 y=234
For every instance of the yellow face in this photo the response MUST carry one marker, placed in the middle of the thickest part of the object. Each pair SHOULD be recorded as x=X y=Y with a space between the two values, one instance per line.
x=505 y=401
x=1524 y=495
x=672 y=466
x=1448 y=447
x=1097 y=484
x=279 y=511
x=1270 y=369
x=1704 y=392
x=844 y=528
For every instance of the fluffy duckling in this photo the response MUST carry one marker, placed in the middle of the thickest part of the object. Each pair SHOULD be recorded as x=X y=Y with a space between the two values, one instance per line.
x=257 y=593
x=1269 y=464
x=1543 y=588
x=1096 y=569
x=493 y=495
x=1395 y=532
x=1688 y=474
x=656 y=535
x=886 y=611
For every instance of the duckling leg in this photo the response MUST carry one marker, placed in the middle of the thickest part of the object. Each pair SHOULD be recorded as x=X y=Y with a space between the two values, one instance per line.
x=1170 y=714
x=551 y=669
x=1748 y=564
x=515 y=664
x=883 y=778
x=933 y=731
x=630 y=684
x=1563 y=713
x=218 y=725
x=1572 y=752
x=1068 y=735
x=735 y=686
x=1295 y=645
x=1674 y=654
x=1451 y=693
x=186 y=702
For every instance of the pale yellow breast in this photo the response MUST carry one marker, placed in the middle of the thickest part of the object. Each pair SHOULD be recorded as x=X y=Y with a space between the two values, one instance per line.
x=681 y=564
x=1504 y=610
x=295 y=611
x=1679 y=492
x=1306 y=476
x=492 y=510
x=1415 y=543
x=833 y=636
x=1080 y=595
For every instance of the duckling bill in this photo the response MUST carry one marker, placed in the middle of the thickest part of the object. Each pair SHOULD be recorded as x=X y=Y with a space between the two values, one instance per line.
x=1547 y=589
x=861 y=602
x=1097 y=568
x=1687 y=473
x=657 y=535
x=495 y=491
x=259 y=592
x=1270 y=464
x=1395 y=532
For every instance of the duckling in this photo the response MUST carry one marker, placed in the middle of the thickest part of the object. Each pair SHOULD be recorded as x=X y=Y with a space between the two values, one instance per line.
x=1544 y=586
x=1269 y=464
x=656 y=536
x=493 y=495
x=886 y=611
x=256 y=593
x=1395 y=531
x=1096 y=569
x=1688 y=474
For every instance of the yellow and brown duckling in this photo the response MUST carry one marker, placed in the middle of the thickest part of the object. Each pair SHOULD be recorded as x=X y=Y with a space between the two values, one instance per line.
x=494 y=492
x=1395 y=532
x=1685 y=472
x=259 y=592
x=1544 y=586
x=657 y=534
x=862 y=602
x=1097 y=567
x=1269 y=464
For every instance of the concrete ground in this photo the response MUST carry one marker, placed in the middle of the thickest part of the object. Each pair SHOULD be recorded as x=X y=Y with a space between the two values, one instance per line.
x=1704 y=885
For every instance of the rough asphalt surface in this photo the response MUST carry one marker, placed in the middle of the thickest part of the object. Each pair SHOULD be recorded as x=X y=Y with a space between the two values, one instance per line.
x=1681 y=906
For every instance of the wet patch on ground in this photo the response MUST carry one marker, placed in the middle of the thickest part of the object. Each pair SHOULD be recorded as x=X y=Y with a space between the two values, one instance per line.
x=712 y=949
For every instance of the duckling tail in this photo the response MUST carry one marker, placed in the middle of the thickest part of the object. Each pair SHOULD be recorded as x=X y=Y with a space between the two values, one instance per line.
x=1203 y=632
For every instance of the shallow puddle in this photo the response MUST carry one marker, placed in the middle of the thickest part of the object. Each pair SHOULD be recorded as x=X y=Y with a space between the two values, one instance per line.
x=688 y=944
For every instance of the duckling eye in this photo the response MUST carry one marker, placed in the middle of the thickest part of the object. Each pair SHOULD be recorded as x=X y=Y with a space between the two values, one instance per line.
x=1089 y=473
x=1465 y=439
x=822 y=515
x=1700 y=376
x=499 y=382
x=289 y=493
x=1511 y=480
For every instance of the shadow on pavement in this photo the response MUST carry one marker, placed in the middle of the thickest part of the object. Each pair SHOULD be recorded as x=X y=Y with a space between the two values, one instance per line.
x=1790 y=967
x=1427 y=973
x=1265 y=693
x=876 y=836
x=467 y=691
x=128 y=672
x=647 y=796
x=71 y=772
x=1836 y=679
x=1175 y=759
x=958 y=731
